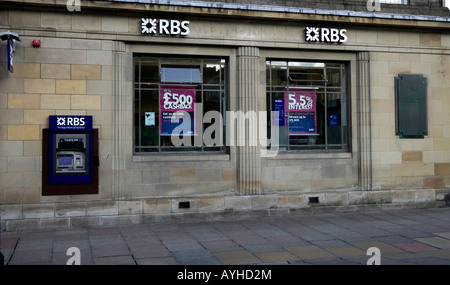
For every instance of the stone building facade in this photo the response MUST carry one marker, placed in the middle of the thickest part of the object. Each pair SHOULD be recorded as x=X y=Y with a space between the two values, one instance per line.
x=112 y=59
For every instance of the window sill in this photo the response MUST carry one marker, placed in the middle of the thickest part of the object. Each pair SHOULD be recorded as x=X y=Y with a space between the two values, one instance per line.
x=311 y=155
x=165 y=157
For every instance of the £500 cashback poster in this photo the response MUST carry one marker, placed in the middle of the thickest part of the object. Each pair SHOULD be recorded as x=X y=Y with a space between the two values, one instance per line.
x=301 y=106
x=177 y=104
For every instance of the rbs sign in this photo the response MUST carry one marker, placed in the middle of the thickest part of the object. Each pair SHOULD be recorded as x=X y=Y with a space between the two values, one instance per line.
x=325 y=35
x=164 y=27
x=69 y=123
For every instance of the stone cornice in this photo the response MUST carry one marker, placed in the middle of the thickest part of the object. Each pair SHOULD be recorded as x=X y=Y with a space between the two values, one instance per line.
x=237 y=11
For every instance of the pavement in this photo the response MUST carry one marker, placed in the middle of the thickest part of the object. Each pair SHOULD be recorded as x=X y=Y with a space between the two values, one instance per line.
x=400 y=237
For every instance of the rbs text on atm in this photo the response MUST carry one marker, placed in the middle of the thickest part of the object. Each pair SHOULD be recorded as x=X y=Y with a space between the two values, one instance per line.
x=70 y=123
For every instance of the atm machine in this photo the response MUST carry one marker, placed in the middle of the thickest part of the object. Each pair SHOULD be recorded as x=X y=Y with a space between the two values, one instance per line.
x=70 y=156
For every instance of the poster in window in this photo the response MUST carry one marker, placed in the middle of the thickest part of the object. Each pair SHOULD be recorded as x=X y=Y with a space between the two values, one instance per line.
x=301 y=106
x=334 y=120
x=149 y=119
x=279 y=107
x=177 y=105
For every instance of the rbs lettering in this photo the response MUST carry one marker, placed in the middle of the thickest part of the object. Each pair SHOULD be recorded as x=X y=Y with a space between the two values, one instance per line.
x=70 y=122
x=76 y=122
x=164 y=27
x=325 y=35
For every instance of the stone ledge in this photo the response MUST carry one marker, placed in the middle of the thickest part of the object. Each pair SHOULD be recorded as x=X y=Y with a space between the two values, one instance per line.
x=121 y=220
x=178 y=209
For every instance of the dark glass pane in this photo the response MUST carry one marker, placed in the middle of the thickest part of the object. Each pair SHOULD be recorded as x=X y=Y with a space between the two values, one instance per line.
x=213 y=72
x=149 y=117
x=136 y=70
x=334 y=77
x=301 y=76
x=149 y=72
x=212 y=131
x=137 y=122
x=334 y=131
x=181 y=74
x=279 y=76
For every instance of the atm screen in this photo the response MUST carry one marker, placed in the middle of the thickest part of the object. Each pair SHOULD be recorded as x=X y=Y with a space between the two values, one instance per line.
x=71 y=143
x=65 y=160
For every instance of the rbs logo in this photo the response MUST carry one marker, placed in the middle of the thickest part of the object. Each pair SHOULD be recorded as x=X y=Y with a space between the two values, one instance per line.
x=164 y=27
x=69 y=121
x=325 y=35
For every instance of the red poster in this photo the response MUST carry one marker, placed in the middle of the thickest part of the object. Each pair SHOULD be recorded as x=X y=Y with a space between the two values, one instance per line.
x=301 y=106
x=176 y=102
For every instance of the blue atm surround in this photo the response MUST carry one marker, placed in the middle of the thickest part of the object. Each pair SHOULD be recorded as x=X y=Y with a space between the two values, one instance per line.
x=70 y=142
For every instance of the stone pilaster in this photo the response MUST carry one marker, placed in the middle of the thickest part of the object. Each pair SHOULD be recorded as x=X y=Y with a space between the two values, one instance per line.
x=118 y=158
x=248 y=150
x=364 y=122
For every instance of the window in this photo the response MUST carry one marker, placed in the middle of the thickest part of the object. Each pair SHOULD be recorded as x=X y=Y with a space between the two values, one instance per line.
x=312 y=105
x=172 y=96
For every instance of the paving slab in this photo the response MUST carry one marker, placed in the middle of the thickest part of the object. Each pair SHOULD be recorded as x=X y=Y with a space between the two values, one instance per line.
x=36 y=256
x=415 y=247
x=430 y=261
x=136 y=230
x=106 y=239
x=156 y=251
x=6 y=243
x=196 y=257
x=409 y=232
x=333 y=261
x=394 y=239
x=181 y=245
x=115 y=260
x=346 y=251
x=81 y=244
x=157 y=261
x=288 y=240
x=313 y=235
x=309 y=252
x=384 y=248
x=445 y=235
x=435 y=241
x=298 y=239
x=281 y=256
x=260 y=248
x=241 y=257
x=221 y=245
x=38 y=244
x=110 y=250
x=330 y=243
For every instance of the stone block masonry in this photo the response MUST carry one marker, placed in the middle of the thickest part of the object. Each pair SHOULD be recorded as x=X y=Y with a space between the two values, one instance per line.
x=126 y=212
x=85 y=66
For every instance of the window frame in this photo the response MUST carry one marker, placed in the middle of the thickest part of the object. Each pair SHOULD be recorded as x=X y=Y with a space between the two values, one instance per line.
x=345 y=73
x=221 y=88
